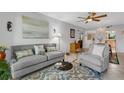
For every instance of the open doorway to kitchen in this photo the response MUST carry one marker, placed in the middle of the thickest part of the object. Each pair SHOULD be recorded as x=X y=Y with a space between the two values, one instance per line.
x=111 y=40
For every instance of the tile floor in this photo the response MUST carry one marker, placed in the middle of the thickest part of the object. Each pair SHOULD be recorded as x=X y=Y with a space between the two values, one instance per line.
x=114 y=72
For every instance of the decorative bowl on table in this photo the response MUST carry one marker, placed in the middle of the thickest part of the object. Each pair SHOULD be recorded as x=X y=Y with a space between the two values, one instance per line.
x=57 y=65
x=64 y=66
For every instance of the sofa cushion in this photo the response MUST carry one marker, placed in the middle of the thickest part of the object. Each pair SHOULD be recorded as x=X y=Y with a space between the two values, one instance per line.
x=93 y=59
x=54 y=54
x=51 y=48
x=23 y=53
x=29 y=61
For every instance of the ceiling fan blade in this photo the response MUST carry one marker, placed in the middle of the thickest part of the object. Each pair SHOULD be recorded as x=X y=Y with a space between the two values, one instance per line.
x=86 y=22
x=101 y=16
x=94 y=19
x=81 y=17
x=81 y=21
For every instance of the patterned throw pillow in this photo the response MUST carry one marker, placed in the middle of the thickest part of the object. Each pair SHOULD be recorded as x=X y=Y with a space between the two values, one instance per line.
x=23 y=53
x=51 y=48
x=39 y=50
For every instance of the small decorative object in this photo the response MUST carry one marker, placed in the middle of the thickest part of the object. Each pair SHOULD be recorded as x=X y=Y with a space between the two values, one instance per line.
x=2 y=55
x=57 y=65
x=54 y=30
x=65 y=66
x=67 y=53
x=72 y=33
x=111 y=35
x=2 y=52
x=9 y=26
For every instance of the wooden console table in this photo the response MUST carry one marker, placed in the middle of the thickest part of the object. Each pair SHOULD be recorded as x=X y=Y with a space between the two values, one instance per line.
x=74 y=47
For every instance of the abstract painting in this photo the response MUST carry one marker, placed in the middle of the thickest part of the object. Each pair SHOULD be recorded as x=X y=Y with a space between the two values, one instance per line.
x=34 y=28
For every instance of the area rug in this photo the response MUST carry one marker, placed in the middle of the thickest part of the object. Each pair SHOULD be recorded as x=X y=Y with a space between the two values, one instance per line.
x=76 y=73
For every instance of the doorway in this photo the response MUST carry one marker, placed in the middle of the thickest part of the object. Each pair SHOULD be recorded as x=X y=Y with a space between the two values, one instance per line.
x=111 y=40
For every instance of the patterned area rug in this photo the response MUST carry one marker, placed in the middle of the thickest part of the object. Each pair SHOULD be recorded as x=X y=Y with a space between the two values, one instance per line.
x=76 y=73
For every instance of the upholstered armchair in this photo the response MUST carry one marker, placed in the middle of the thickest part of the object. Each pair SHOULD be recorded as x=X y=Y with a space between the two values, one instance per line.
x=97 y=57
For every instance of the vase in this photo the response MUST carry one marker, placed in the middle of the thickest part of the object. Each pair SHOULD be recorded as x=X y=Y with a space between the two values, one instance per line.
x=2 y=55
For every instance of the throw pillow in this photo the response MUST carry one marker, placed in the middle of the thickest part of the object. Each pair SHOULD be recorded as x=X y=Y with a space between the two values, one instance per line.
x=39 y=50
x=98 y=50
x=23 y=53
x=51 y=48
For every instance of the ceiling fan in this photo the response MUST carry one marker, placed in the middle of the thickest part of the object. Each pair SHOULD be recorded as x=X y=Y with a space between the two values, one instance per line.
x=91 y=17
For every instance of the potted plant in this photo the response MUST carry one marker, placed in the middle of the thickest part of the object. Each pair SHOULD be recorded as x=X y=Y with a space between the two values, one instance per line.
x=3 y=48
x=4 y=70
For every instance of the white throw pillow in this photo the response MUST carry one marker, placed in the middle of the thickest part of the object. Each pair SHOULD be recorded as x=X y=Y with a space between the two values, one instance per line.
x=39 y=49
x=98 y=50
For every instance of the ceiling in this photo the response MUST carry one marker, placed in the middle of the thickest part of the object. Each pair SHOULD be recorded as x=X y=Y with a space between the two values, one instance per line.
x=113 y=18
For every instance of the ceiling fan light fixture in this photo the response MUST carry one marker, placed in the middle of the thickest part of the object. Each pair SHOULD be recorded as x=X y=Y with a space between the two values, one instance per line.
x=89 y=20
x=92 y=17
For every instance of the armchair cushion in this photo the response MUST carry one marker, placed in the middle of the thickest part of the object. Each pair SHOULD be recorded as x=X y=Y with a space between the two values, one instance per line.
x=93 y=59
x=98 y=50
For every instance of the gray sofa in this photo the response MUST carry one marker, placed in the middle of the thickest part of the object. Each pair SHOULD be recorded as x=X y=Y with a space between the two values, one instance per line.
x=32 y=63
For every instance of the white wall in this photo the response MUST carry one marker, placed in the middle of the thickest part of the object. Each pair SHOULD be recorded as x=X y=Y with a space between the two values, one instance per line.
x=5 y=36
x=15 y=37
x=86 y=42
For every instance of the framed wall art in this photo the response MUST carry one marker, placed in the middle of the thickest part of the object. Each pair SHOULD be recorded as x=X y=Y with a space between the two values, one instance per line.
x=89 y=36
x=34 y=28
x=72 y=33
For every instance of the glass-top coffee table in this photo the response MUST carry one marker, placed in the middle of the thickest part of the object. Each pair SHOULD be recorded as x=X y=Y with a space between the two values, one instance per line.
x=64 y=66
